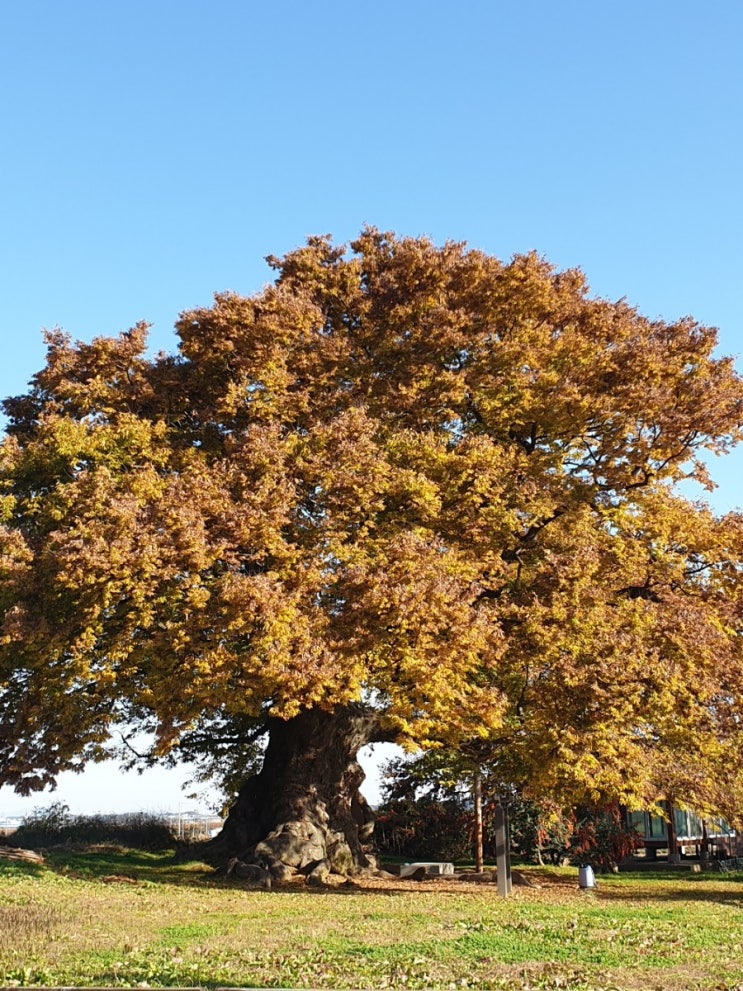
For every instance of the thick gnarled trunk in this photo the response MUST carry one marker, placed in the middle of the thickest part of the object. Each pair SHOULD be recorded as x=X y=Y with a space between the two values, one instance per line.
x=303 y=810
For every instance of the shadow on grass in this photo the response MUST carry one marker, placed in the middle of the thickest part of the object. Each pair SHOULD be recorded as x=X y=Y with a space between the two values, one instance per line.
x=14 y=868
x=164 y=868
x=103 y=863
x=666 y=886
x=161 y=867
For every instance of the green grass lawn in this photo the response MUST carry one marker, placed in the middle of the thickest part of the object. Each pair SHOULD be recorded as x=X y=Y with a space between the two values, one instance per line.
x=136 y=919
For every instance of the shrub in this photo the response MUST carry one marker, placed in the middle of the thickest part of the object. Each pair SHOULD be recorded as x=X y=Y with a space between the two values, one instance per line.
x=602 y=838
x=541 y=830
x=426 y=829
x=55 y=826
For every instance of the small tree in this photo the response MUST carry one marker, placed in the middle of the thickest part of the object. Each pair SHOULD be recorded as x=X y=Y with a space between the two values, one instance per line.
x=541 y=830
x=602 y=837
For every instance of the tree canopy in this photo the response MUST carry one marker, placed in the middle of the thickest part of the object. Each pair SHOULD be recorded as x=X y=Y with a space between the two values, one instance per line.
x=406 y=476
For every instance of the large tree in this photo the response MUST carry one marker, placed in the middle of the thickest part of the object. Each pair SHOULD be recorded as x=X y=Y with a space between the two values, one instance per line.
x=405 y=492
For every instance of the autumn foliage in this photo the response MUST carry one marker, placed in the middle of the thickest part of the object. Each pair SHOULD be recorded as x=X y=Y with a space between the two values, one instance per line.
x=405 y=476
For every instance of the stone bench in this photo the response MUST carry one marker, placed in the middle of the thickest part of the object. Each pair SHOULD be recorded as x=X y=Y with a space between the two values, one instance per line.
x=431 y=868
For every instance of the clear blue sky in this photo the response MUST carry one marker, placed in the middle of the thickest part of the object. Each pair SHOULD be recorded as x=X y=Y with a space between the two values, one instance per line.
x=154 y=152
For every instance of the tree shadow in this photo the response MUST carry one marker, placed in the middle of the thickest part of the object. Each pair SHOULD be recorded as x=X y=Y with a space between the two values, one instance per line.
x=164 y=868
x=19 y=868
x=125 y=866
x=694 y=887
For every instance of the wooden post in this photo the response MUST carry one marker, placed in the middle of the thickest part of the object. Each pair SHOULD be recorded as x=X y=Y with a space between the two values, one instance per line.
x=674 y=856
x=477 y=789
x=503 y=850
x=507 y=815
